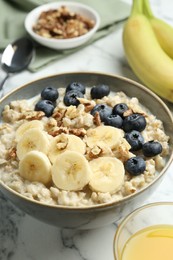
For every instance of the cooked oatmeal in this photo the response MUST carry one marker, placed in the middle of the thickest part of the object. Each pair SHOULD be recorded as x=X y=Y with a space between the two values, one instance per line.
x=77 y=122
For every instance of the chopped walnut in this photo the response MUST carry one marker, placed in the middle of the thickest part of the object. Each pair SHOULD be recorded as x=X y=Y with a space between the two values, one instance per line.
x=32 y=115
x=78 y=131
x=96 y=119
x=122 y=150
x=58 y=130
x=11 y=154
x=62 y=23
x=75 y=131
x=58 y=116
x=50 y=124
x=61 y=142
x=95 y=152
x=88 y=104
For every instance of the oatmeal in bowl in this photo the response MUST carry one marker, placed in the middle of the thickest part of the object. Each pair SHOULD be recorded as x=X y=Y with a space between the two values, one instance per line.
x=79 y=144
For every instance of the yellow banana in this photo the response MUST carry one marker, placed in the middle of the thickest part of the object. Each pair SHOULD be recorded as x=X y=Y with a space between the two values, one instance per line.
x=145 y=55
x=162 y=30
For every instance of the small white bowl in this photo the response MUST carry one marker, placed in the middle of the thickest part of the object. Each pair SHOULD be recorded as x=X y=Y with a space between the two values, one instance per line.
x=61 y=44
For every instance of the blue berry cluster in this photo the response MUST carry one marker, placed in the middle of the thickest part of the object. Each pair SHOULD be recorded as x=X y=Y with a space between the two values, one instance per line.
x=74 y=91
x=49 y=95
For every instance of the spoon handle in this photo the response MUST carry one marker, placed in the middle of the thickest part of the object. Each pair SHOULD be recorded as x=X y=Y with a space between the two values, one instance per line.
x=2 y=83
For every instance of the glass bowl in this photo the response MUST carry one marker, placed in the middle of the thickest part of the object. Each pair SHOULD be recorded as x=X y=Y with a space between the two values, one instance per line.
x=157 y=215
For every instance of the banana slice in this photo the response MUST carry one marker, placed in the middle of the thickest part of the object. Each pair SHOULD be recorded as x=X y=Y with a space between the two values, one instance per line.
x=64 y=142
x=33 y=139
x=107 y=174
x=104 y=136
x=35 y=166
x=26 y=126
x=71 y=171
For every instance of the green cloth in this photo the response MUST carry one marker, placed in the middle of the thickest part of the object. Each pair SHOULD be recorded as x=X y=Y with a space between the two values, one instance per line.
x=13 y=13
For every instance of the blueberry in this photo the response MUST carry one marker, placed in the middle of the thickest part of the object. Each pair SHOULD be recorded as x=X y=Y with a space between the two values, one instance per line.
x=135 y=139
x=46 y=106
x=119 y=109
x=151 y=148
x=100 y=91
x=135 y=165
x=50 y=93
x=77 y=86
x=134 y=122
x=71 y=96
x=114 y=120
x=103 y=110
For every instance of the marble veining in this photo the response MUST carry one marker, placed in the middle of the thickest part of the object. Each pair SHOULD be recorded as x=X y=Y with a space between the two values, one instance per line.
x=10 y=219
x=25 y=238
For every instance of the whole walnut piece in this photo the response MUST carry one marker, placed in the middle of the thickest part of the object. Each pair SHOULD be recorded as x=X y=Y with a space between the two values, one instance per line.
x=61 y=23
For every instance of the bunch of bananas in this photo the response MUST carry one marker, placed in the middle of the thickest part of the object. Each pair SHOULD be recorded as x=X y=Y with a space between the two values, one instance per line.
x=148 y=45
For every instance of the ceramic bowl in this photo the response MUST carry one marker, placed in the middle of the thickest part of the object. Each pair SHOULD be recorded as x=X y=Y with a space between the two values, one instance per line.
x=61 y=44
x=103 y=214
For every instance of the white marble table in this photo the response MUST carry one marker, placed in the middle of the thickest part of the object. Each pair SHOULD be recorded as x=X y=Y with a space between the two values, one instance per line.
x=24 y=238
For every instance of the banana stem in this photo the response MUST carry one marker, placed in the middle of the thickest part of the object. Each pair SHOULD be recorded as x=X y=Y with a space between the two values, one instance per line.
x=147 y=9
x=137 y=7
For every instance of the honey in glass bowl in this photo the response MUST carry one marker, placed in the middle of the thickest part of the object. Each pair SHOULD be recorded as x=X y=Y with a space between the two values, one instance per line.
x=146 y=234
x=151 y=243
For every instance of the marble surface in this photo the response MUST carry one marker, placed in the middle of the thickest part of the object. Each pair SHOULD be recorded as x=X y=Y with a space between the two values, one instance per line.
x=24 y=238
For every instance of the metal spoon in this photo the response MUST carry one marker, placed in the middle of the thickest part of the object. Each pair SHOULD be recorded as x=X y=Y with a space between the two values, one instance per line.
x=16 y=57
